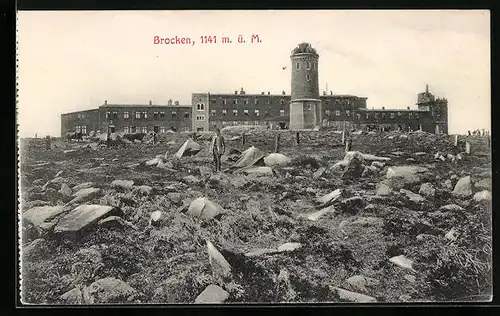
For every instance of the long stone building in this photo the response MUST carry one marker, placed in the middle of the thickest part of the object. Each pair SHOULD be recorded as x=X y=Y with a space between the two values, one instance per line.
x=304 y=108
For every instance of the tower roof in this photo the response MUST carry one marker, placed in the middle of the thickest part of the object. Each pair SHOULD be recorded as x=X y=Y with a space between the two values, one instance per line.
x=304 y=48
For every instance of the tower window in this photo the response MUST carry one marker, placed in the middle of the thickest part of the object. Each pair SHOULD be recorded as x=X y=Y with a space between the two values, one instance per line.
x=245 y=112
x=126 y=115
x=200 y=107
x=224 y=101
x=245 y=101
x=235 y=101
x=256 y=101
x=308 y=65
x=393 y=115
x=162 y=114
x=213 y=112
x=399 y=114
x=137 y=115
x=235 y=112
x=282 y=101
x=327 y=113
x=257 y=113
x=186 y=114
x=347 y=112
x=298 y=65
x=224 y=112
x=155 y=114
x=174 y=114
x=337 y=112
x=308 y=77
x=282 y=112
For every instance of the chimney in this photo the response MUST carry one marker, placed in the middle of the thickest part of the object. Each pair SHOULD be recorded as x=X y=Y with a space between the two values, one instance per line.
x=324 y=92
x=242 y=91
x=383 y=108
x=150 y=102
x=407 y=107
x=169 y=101
x=284 y=93
x=263 y=93
x=105 y=101
x=235 y=91
x=331 y=92
x=268 y=93
x=176 y=102
x=426 y=88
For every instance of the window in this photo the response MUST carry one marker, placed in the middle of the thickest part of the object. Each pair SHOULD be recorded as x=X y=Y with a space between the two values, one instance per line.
x=145 y=115
x=162 y=129
x=337 y=112
x=200 y=107
x=186 y=114
x=213 y=101
x=309 y=107
x=144 y=129
x=115 y=115
x=399 y=114
x=174 y=114
x=245 y=112
x=126 y=130
x=308 y=77
x=298 y=65
x=162 y=114
x=417 y=116
x=200 y=117
x=133 y=129
x=256 y=123
x=137 y=115
x=268 y=101
x=410 y=115
x=367 y=116
x=257 y=113
x=84 y=129
x=126 y=115
x=213 y=112
x=308 y=65
x=282 y=112
x=224 y=112
x=383 y=115
x=347 y=113
x=235 y=101
x=245 y=101
x=327 y=113
x=358 y=116
x=224 y=101
x=108 y=114
x=393 y=116
x=155 y=114
x=235 y=112
x=224 y=123
x=78 y=129
x=282 y=101
x=256 y=101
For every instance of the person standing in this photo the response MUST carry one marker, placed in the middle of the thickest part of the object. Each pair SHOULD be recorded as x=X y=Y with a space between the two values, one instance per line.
x=218 y=148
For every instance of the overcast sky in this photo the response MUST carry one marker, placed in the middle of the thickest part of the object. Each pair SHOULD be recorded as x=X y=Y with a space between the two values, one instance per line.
x=70 y=61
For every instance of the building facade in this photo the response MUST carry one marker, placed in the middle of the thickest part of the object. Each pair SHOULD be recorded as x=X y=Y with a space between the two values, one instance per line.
x=303 y=108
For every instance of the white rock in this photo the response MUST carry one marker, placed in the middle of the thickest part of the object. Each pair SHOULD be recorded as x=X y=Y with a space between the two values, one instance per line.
x=427 y=189
x=383 y=189
x=451 y=235
x=463 y=188
x=451 y=208
x=204 y=208
x=330 y=197
x=277 y=159
x=403 y=262
x=289 y=246
x=316 y=215
x=484 y=195
x=126 y=184
x=211 y=295
x=412 y=196
x=360 y=283
x=353 y=296
x=219 y=264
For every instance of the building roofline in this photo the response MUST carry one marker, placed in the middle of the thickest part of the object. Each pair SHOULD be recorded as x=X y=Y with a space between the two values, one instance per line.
x=142 y=106
x=389 y=110
x=81 y=111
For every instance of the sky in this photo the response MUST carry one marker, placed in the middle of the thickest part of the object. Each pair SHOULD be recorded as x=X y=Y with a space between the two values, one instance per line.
x=75 y=60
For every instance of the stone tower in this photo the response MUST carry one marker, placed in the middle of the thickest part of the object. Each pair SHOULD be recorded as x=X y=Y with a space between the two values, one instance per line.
x=305 y=105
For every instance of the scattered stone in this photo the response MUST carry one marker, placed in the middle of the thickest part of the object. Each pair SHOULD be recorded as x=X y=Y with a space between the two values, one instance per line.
x=383 y=189
x=427 y=189
x=420 y=153
x=204 y=208
x=219 y=264
x=405 y=298
x=59 y=173
x=108 y=290
x=484 y=195
x=116 y=221
x=84 y=216
x=318 y=173
x=422 y=237
x=378 y=164
x=353 y=204
x=43 y=217
x=212 y=294
x=410 y=278
x=463 y=188
x=354 y=167
x=353 y=296
x=368 y=221
x=484 y=184
x=156 y=218
x=360 y=283
x=268 y=171
x=89 y=255
x=402 y=262
x=330 y=197
x=369 y=207
x=65 y=190
x=277 y=159
x=85 y=194
x=59 y=180
x=144 y=189
x=316 y=215
x=452 y=235
x=452 y=208
x=153 y=162
x=453 y=177
x=125 y=184
x=448 y=184
x=174 y=197
x=289 y=246
x=405 y=174
x=191 y=179
x=412 y=196
x=411 y=159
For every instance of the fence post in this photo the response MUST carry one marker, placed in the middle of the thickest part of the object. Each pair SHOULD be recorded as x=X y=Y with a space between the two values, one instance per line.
x=456 y=141
x=297 y=138
x=243 y=140
x=343 y=137
x=467 y=147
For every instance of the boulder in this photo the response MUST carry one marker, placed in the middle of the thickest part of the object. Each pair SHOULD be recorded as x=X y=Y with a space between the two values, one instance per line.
x=383 y=189
x=43 y=217
x=402 y=262
x=354 y=167
x=65 y=190
x=318 y=173
x=212 y=294
x=330 y=197
x=156 y=218
x=109 y=290
x=289 y=246
x=427 y=189
x=484 y=184
x=403 y=175
x=412 y=196
x=174 y=197
x=378 y=164
x=484 y=195
x=361 y=283
x=353 y=205
x=84 y=216
x=349 y=296
x=410 y=278
x=316 y=215
x=463 y=188
x=204 y=208
x=452 y=235
x=125 y=184
x=448 y=184
x=451 y=208
x=219 y=264
x=276 y=159
x=85 y=195
x=154 y=162
x=249 y=157
x=191 y=179
x=144 y=189
x=189 y=148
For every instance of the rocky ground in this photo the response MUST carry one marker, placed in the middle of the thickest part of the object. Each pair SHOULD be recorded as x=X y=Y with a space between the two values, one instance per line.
x=404 y=217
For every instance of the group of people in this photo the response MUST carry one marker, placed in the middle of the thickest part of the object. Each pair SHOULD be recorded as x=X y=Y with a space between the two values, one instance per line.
x=478 y=132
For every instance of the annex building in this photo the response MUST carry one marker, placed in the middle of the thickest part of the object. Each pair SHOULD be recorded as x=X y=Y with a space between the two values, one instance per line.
x=304 y=108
